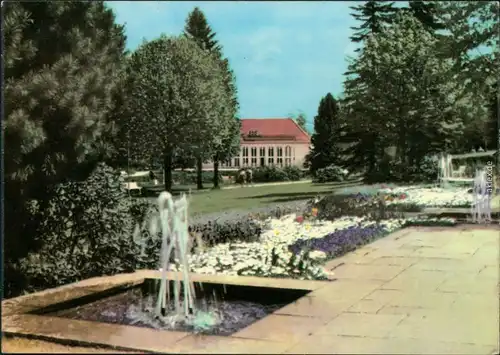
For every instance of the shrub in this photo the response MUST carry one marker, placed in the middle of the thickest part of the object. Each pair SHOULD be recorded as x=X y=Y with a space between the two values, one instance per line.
x=243 y=229
x=293 y=173
x=189 y=177
x=331 y=173
x=332 y=206
x=427 y=171
x=86 y=232
x=269 y=174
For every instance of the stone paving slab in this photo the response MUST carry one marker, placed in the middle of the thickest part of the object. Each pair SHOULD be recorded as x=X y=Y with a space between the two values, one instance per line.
x=439 y=295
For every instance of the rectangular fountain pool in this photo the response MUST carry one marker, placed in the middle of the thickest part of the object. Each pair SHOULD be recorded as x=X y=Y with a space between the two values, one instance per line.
x=220 y=309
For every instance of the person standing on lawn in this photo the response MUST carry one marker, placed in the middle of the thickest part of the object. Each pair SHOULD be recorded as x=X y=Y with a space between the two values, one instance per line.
x=242 y=177
x=249 y=176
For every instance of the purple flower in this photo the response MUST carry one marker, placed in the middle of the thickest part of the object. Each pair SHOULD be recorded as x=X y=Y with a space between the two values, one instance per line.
x=339 y=242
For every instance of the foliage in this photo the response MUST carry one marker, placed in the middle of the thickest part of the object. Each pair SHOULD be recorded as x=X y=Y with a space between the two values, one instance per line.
x=227 y=144
x=324 y=141
x=61 y=69
x=471 y=41
x=276 y=174
x=300 y=118
x=86 y=232
x=426 y=12
x=190 y=177
x=176 y=97
x=243 y=229
x=331 y=173
x=376 y=15
x=331 y=207
x=402 y=86
x=293 y=173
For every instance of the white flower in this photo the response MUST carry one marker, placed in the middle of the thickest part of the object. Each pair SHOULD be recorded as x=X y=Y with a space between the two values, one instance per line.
x=317 y=255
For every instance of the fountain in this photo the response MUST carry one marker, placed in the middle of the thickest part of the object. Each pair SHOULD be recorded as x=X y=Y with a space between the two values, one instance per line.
x=481 y=205
x=172 y=300
x=445 y=170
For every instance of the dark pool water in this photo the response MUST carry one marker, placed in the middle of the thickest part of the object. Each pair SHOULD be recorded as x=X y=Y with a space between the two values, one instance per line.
x=134 y=308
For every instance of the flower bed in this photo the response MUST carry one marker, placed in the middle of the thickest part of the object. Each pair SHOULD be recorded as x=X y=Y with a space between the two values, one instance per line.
x=288 y=248
x=428 y=197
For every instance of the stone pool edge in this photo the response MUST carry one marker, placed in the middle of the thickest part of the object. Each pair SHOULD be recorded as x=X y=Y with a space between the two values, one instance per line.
x=16 y=320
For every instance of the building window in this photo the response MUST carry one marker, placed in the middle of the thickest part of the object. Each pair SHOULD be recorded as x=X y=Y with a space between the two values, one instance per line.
x=228 y=163
x=254 y=156
x=279 y=161
x=262 y=151
x=245 y=156
x=236 y=162
x=270 y=152
x=280 y=151
x=270 y=161
x=288 y=154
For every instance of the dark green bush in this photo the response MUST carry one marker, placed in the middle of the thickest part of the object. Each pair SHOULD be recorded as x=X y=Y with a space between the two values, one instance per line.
x=242 y=229
x=331 y=207
x=269 y=174
x=294 y=173
x=86 y=232
x=331 y=173
x=189 y=177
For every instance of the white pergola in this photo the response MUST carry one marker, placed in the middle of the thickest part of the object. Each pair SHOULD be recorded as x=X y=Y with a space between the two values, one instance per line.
x=446 y=172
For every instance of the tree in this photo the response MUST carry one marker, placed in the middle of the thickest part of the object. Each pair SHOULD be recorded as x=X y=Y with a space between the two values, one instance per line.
x=198 y=29
x=426 y=13
x=401 y=95
x=62 y=63
x=324 y=140
x=471 y=41
x=301 y=119
x=375 y=15
x=493 y=123
x=175 y=97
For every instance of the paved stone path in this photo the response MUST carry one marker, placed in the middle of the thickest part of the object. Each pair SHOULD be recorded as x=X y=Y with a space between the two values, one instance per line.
x=418 y=291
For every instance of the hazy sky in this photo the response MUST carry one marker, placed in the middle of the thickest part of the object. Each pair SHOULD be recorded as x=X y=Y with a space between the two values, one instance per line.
x=286 y=55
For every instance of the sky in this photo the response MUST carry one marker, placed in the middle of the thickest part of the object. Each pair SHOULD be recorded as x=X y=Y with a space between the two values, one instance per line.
x=286 y=55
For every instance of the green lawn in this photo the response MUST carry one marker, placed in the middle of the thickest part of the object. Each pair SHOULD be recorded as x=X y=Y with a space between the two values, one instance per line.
x=246 y=198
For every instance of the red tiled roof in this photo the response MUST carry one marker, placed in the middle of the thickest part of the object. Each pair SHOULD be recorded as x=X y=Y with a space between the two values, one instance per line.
x=279 y=128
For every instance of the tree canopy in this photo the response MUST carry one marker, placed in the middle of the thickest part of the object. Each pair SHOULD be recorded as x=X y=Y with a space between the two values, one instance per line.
x=227 y=143
x=374 y=15
x=62 y=63
x=176 y=99
x=400 y=96
x=325 y=150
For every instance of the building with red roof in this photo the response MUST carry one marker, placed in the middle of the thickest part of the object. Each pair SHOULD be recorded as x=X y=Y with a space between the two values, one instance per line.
x=269 y=141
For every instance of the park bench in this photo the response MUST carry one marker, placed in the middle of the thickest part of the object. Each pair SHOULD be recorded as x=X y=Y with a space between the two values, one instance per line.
x=132 y=187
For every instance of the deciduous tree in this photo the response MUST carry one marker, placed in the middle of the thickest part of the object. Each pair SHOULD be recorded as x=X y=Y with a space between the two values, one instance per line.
x=224 y=145
x=175 y=100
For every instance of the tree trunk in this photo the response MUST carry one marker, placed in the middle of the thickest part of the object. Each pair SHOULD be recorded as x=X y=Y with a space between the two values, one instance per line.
x=199 y=171
x=216 y=171
x=167 y=169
